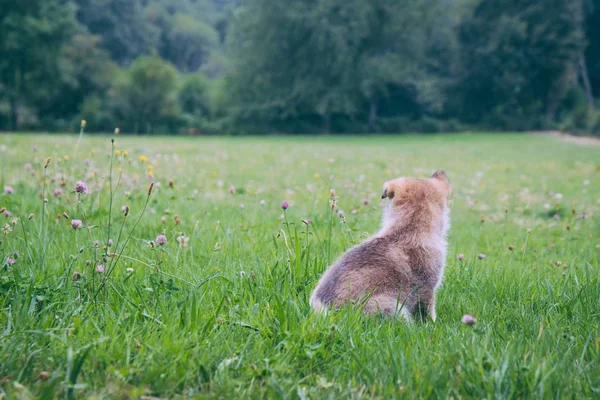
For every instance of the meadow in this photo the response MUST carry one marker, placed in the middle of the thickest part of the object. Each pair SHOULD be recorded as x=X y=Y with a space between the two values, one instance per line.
x=167 y=267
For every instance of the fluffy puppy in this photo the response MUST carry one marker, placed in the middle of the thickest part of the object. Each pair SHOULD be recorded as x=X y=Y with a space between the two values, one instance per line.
x=400 y=268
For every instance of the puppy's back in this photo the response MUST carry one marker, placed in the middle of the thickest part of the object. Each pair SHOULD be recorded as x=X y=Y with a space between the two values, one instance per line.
x=369 y=269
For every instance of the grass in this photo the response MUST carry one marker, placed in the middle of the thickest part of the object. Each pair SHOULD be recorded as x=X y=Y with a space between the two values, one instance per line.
x=222 y=311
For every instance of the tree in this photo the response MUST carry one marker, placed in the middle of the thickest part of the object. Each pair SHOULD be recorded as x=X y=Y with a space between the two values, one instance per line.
x=85 y=70
x=146 y=94
x=32 y=32
x=518 y=58
x=591 y=59
x=323 y=60
x=125 y=33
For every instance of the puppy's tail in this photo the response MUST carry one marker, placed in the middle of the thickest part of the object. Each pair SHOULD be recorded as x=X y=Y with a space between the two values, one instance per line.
x=316 y=303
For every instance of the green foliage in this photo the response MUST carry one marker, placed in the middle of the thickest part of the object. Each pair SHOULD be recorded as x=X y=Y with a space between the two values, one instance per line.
x=332 y=61
x=518 y=58
x=125 y=33
x=31 y=35
x=145 y=95
x=305 y=66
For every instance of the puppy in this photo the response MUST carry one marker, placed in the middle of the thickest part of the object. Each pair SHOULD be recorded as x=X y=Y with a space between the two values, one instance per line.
x=398 y=270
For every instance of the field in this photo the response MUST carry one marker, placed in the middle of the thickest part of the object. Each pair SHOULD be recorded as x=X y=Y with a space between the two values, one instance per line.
x=221 y=309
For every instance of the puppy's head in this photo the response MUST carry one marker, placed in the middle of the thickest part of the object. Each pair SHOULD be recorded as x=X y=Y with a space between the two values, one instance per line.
x=424 y=196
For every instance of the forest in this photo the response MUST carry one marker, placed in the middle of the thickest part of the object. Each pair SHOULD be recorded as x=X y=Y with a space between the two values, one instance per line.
x=299 y=66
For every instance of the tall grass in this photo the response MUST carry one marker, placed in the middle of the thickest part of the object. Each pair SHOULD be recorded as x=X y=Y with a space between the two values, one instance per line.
x=221 y=309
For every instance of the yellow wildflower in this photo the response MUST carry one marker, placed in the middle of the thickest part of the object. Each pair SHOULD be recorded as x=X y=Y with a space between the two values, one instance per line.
x=150 y=166
x=66 y=157
x=125 y=153
x=317 y=176
x=117 y=152
x=83 y=123
x=143 y=158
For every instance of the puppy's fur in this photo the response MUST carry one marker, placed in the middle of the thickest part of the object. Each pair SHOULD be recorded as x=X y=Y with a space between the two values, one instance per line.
x=400 y=268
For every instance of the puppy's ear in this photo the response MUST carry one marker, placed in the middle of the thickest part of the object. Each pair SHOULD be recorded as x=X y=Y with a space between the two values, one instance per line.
x=441 y=175
x=389 y=189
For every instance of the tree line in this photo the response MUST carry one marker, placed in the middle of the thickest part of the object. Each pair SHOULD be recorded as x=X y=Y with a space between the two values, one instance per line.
x=299 y=66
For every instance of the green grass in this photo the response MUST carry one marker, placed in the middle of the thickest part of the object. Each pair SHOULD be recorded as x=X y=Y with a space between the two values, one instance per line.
x=227 y=316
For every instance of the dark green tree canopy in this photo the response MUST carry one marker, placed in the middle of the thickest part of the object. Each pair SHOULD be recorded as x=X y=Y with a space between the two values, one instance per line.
x=226 y=66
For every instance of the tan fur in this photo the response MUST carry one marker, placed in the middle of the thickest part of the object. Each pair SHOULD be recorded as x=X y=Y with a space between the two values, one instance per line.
x=400 y=268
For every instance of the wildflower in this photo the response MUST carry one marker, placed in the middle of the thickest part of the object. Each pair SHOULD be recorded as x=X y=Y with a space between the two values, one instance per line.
x=161 y=239
x=354 y=212
x=262 y=203
x=76 y=276
x=129 y=270
x=143 y=159
x=34 y=148
x=340 y=213
x=44 y=376
x=100 y=268
x=306 y=221
x=586 y=182
x=7 y=229
x=232 y=189
x=6 y=212
x=117 y=130
x=9 y=189
x=117 y=152
x=242 y=206
x=57 y=192
x=460 y=257
x=242 y=274
x=332 y=192
x=558 y=263
x=558 y=196
x=183 y=240
x=76 y=223
x=109 y=243
x=177 y=220
x=10 y=261
x=152 y=244
x=468 y=319
x=481 y=256
x=285 y=205
x=81 y=187
x=125 y=210
x=83 y=123
x=28 y=166
x=163 y=219
x=366 y=202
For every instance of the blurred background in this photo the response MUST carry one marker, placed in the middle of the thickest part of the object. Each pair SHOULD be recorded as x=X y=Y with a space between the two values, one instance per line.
x=299 y=66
